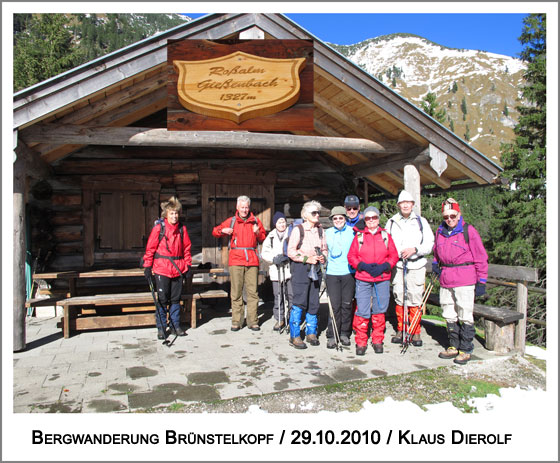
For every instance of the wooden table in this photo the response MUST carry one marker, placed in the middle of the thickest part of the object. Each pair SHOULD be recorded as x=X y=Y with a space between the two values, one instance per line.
x=75 y=304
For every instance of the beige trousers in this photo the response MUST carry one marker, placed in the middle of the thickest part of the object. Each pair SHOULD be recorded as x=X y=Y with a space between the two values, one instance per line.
x=457 y=304
x=414 y=286
x=242 y=277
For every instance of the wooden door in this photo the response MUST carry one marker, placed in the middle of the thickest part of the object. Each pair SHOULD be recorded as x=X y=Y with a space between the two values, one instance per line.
x=219 y=202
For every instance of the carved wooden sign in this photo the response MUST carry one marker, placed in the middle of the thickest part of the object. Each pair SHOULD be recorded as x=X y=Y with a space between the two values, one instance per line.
x=239 y=86
x=257 y=85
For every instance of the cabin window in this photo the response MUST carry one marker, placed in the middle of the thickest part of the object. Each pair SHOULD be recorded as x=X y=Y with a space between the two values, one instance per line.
x=118 y=217
x=121 y=221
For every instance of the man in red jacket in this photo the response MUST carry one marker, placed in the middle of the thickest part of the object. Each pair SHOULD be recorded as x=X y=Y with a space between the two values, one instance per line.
x=245 y=231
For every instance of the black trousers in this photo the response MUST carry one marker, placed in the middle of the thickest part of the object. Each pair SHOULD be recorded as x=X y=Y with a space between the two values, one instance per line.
x=340 y=289
x=169 y=294
x=306 y=291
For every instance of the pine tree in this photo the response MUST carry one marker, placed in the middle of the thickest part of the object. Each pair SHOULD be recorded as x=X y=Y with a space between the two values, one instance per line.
x=430 y=106
x=519 y=227
x=464 y=108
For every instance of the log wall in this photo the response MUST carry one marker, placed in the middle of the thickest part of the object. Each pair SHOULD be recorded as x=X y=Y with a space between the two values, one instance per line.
x=57 y=217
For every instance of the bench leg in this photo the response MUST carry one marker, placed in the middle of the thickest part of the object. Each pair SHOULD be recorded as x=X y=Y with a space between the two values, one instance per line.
x=66 y=325
x=499 y=337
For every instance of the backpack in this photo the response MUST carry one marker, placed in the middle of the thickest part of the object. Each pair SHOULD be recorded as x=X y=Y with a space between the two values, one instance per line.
x=161 y=235
x=384 y=235
x=298 y=223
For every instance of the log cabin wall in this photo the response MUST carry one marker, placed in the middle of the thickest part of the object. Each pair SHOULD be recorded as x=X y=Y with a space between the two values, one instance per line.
x=60 y=219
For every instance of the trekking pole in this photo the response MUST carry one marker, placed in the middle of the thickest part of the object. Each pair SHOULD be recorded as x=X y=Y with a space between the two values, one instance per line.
x=334 y=326
x=405 y=304
x=417 y=315
x=281 y=302
x=158 y=314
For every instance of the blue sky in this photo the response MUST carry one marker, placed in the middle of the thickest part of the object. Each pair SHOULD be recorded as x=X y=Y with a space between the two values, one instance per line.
x=495 y=33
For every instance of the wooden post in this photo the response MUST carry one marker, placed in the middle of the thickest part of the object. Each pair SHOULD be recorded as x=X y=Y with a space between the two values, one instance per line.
x=412 y=185
x=366 y=194
x=521 y=326
x=19 y=255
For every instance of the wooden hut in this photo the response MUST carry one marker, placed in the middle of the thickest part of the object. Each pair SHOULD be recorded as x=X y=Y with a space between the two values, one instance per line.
x=94 y=156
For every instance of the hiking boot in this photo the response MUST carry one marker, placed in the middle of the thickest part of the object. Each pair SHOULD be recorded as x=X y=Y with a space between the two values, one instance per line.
x=312 y=339
x=416 y=341
x=255 y=328
x=160 y=334
x=178 y=331
x=235 y=327
x=397 y=338
x=449 y=353
x=378 y=348
x=345 y=341
x=462 y=358
x=297 y=343
x=331 y=343
x=278 y=326
x=361 y=350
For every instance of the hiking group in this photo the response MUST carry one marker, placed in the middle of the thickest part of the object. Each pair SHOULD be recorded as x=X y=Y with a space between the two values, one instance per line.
x=360 y=261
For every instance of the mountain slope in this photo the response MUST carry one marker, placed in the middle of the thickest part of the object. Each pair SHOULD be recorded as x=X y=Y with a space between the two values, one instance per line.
x=478 y=90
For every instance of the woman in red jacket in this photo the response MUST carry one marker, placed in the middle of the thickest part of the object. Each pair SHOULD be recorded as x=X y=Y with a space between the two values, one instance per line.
x=169 y=255
x=373 y=254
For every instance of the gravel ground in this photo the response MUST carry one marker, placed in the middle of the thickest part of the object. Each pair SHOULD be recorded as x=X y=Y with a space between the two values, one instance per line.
x=429 y=387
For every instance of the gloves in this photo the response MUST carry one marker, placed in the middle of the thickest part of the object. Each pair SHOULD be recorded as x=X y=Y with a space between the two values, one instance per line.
x=374 y=269
x=480 y=290
x=148 y=272
x=280 y=259
x=379 y=269
x=361 y=225
x=435 y=269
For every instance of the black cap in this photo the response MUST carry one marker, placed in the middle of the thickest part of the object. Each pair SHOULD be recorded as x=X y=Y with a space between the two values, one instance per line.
x=351 y=200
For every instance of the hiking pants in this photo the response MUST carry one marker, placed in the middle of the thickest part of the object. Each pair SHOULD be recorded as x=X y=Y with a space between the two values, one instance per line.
x=242 y=277
x=168 y=293
x=340 y=289
x=279 y=306
x=306 y=291
x=415 y=279
x=457 y=306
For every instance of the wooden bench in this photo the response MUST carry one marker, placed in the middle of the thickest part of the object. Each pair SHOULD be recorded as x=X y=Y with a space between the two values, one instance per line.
x=499 y=325
x=129 y=302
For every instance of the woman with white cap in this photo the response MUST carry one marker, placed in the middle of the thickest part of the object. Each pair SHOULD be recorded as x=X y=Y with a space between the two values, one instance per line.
x=461 y=262
x=373 y=254
x=340 y=278
x=414 y=240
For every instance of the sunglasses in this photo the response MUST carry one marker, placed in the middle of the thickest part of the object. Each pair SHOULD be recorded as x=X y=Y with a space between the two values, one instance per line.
x=339 y=217
x=372 y=217
x=314 y=212
x=452 y=217
x=352 y=208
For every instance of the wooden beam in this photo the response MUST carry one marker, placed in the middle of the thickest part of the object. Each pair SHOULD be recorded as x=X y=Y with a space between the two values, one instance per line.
x=140 y=136
x=35 y=167
x=357 y=126
x=19 y=295
x=389 y=163
x=441 y=181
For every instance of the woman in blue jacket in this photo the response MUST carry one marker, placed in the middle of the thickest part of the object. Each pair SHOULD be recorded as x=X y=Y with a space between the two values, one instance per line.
x=339 y=277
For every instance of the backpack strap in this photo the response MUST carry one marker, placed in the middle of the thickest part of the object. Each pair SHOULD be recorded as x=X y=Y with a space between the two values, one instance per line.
x=231 y=226
x=419 y=219
x=466 y=232
x=301 y=233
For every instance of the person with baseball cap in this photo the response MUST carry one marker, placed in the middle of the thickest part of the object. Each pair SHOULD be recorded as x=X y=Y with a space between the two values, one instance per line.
x=353 y=214
x=461 y=262
x=414 y=240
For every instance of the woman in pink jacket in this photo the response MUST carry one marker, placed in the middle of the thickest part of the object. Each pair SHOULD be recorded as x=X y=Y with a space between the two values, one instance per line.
x=169 y=255
x=373 y=254
x=461 y=262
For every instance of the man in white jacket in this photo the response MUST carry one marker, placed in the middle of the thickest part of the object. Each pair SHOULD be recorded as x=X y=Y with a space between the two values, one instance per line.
x=414 y=240
x=279 y=272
